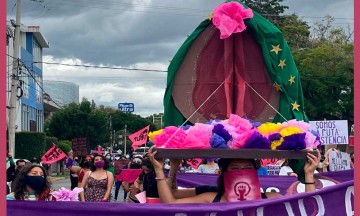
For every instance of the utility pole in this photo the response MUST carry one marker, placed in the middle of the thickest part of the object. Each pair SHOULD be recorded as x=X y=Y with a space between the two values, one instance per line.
x=14 y=80
x=125 y=140
x=111 y=135
x=113 y=142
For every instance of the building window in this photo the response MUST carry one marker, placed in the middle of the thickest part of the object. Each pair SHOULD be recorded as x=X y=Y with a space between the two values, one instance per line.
x=37 y=54
x=39 y=120
x=25 y=123
x=38 y=89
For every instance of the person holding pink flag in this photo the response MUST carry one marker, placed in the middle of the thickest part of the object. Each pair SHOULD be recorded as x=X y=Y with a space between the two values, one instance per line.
x=238 y=181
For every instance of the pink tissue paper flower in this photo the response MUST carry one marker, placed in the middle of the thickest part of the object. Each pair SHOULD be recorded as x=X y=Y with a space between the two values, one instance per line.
x=229 y=18
x=64 y=194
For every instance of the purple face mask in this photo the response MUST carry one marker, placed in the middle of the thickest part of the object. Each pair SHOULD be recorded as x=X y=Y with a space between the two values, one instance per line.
x=99 y=164
x=210 y=160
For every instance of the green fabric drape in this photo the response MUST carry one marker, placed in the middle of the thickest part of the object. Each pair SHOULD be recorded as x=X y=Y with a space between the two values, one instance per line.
x=284 y=76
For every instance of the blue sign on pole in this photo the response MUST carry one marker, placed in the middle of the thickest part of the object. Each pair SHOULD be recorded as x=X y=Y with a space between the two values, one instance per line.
x=126 y=107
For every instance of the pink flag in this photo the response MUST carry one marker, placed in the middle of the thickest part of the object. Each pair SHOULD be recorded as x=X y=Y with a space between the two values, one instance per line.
x=128 y=175
x=54 y=154
x=140 y=137
x=194 y=163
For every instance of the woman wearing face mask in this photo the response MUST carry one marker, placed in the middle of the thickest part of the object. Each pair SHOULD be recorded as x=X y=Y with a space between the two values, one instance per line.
x=98 y=182
x=129 y=187
x=111 y=164
x=147 y=181
x=31 y=184
x=85 y=165
x=229 y=169
x=209 y=167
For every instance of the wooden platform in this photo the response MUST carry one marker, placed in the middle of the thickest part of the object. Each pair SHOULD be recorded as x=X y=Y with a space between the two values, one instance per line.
x=230 y=153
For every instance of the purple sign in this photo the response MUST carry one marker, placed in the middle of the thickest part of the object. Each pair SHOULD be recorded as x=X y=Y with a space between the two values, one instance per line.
x=334 y=200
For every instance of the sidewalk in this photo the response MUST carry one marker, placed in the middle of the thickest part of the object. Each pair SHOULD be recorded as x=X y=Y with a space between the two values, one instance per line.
x=57 y=178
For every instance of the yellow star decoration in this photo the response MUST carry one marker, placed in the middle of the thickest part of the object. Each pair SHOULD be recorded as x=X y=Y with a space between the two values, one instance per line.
x=277 y=87
x=282 y=64
x=210 y=16
x=295 y=106
x=292 y=79
x=275 y=49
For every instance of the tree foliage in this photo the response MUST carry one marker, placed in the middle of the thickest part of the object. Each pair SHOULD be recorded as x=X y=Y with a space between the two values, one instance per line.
x=270 y=9
x=79 y=120
x=327 y=73
x=85 y=120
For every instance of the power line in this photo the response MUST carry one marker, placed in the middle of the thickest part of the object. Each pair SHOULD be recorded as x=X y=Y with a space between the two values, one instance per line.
x=109 y=6
x=101 y=67
x=95 y=66
x=36 y=81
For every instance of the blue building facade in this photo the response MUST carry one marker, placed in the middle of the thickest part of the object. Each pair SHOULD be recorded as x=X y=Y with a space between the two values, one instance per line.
x=30 y=105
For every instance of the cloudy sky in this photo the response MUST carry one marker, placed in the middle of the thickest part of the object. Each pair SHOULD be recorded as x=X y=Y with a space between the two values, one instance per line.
x=142 y=34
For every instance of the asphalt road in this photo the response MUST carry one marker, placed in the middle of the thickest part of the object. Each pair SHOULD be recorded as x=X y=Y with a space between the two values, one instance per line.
x=66 y=184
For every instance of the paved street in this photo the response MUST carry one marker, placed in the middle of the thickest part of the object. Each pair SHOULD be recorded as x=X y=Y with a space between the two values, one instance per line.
x=61 y=182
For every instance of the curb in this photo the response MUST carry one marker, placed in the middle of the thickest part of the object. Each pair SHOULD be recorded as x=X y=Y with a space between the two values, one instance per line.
x=55 y=179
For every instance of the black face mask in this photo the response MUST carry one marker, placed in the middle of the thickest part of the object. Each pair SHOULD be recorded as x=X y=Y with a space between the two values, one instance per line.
x=35 y=182
x=87 y=164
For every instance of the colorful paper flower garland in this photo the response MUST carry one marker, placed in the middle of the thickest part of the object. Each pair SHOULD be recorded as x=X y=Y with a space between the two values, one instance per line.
x=238 y=133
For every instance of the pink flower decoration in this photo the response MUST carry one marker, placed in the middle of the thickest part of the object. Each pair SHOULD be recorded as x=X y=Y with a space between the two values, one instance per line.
x=64 y=194
x=310 y=140
x=229 y=18
x=167 y=140
x=239 y=141
x=304 y=126
x=239 y=123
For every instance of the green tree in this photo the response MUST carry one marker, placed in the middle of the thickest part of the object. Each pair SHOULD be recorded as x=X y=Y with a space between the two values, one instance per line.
x=270 y=9
x=296 y=32
x=64 y=145
x=79 y=120
x=327 y=74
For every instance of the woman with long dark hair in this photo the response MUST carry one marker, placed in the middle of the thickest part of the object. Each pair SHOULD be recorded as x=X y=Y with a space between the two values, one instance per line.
x=31 y=184
x=85 y=164
x=98 y=182
x=147 y=181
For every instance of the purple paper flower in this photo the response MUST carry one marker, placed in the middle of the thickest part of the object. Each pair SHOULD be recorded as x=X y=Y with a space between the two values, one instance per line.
x=257 y=141
x=293 y=142
x=255 y=124
x=221 y=131
x=274 y=137
x=185 y=127
x=217 y=142
x=64 y=194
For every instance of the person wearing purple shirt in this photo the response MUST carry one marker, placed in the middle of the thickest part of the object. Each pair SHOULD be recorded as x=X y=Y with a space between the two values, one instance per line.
x=70 y=162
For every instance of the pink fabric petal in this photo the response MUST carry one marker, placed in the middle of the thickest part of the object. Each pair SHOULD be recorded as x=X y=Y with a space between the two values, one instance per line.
x=239 y=141
x=229 y=18
x=310 y=140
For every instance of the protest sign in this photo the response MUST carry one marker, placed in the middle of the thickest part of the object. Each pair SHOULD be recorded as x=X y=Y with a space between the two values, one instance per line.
x=52 y=155
x=79 y=146
x=273 y=169
x=339 y=161
x=128 y=175
x=268 y=161
x=139 y=137
x=331 y=132
x=194 y=162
